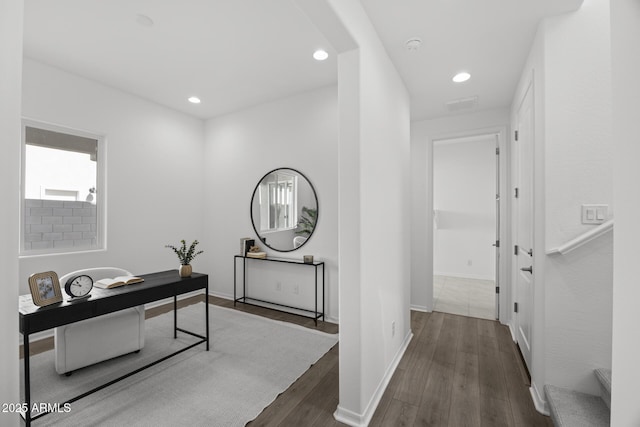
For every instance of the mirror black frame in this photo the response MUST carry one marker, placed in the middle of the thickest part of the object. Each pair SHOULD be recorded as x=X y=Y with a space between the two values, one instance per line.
x=255 y=190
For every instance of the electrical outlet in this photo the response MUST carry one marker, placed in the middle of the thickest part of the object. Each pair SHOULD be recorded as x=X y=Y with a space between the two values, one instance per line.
x=393 y=329
x=279 y=286
x=296 y=289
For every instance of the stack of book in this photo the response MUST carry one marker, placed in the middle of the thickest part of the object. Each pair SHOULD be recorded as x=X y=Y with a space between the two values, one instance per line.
x=245 y=245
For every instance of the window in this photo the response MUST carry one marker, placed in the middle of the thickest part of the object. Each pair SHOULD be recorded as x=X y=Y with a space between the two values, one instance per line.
x=61 y=203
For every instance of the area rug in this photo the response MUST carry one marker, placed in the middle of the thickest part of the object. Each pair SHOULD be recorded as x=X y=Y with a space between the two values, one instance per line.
x=251 y=361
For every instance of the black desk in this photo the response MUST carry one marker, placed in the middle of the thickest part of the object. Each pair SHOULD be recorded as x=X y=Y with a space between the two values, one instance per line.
x=156 y=286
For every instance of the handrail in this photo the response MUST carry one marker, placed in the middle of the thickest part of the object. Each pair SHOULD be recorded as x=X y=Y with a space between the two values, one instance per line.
x=590 y=235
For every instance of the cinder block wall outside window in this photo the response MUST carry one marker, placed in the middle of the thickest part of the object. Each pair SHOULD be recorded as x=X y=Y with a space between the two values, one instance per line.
x=52 y=224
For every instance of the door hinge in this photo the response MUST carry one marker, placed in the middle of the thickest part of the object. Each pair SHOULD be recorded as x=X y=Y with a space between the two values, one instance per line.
x=516 y=135
x=515 y=249
x=515 y=307
x=497 y=289
x=497 y=243
x=517 y=193
x=497 y=151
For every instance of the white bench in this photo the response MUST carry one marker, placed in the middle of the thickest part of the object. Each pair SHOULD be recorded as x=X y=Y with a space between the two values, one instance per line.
x=101 y=338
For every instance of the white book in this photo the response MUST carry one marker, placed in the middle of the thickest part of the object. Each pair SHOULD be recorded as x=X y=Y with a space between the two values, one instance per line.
x=117 y=281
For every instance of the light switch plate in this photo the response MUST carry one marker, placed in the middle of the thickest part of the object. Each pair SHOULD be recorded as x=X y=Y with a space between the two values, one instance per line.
x=594 y=214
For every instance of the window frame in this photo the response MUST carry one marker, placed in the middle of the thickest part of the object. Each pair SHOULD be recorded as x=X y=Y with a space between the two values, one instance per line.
x=100 y=194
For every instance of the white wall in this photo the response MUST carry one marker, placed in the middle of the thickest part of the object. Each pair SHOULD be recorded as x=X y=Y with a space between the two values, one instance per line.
x=578 y=170
x=154 y=173
x=300 y=132
x=373 y=232
x=10 y=80
x=625 y=33
x=464 y=196
x=423 y=133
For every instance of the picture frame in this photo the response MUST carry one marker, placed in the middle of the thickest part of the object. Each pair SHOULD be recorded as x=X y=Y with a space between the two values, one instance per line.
x=45 y=288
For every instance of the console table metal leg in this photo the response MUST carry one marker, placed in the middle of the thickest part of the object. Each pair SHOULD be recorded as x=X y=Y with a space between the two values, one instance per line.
x=175 y=316
x=235 y=274
x=324 y=315
x=206 y=305
x=27 y=380
x=316 y=296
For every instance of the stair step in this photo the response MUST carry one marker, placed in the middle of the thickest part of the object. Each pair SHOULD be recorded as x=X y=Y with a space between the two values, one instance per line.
x=574 y=409
x=604 y=376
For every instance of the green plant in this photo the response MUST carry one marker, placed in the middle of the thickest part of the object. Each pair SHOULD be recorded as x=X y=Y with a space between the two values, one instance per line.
x=307 y=221
x=185 y=255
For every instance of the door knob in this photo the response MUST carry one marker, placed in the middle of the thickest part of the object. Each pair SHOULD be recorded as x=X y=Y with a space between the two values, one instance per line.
x=529 y=269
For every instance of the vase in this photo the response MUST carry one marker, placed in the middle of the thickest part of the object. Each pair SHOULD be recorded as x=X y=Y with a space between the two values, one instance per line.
x=185 y=270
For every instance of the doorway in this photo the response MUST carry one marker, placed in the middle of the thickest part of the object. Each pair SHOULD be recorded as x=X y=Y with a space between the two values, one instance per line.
x=466 y=225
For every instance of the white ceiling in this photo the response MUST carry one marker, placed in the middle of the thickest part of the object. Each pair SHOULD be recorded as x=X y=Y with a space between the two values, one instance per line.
x=230 y=53
x=238 y=53
x=489 y=38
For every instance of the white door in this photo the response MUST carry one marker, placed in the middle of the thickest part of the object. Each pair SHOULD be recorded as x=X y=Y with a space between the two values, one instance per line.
x=523 y=209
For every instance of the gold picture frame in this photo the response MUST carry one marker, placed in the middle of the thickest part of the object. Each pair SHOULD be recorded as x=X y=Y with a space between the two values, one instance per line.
x=45 y=288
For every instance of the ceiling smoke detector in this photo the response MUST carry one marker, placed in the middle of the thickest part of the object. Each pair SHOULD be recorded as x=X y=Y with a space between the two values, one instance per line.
x=413 y=43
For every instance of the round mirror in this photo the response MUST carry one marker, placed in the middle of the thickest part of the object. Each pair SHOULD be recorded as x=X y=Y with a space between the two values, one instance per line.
x=284 y=209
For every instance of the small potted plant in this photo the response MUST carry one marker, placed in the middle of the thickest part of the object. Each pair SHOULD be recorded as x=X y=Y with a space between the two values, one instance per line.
x=185 y=256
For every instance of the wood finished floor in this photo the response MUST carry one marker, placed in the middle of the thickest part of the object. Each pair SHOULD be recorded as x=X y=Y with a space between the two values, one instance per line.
x=457 y=371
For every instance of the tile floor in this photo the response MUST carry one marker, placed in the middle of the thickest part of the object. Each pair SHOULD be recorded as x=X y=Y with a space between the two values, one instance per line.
x=467 y=297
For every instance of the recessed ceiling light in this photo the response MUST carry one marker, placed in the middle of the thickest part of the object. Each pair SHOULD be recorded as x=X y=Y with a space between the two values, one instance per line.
x=320 y=55
x=194 y=100
x=144 y=20
x=461 y=77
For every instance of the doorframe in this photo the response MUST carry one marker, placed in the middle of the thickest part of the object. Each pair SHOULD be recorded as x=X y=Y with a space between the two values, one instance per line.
x=503 y=273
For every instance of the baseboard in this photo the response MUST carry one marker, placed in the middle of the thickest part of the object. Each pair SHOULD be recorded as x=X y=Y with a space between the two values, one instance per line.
x=511 y=331
x=348 y=417
x=421 y=308
x=221 y=295
x=329 y=319
x=464 y=276
x=353 y=419
x=539 y=403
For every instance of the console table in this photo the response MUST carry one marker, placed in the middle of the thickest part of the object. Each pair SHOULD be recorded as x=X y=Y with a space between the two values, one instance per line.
x=314 y=314
x=156 y=286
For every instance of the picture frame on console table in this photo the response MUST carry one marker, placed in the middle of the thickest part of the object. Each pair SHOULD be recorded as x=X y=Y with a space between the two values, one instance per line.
x=45 y=288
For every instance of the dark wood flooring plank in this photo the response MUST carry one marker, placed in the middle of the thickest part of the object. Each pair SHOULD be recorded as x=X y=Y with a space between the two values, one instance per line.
x=304 y=387
x=387 y=397
x=495 y=412
x=468 y=336
x=465 y=398
x=487 y=328
x=490 y=369
x=522 y=409
x=503 y=336
x=435 y=405
x=399 y=414
x=313 y=408
x=411 y=386
x=448 y=340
